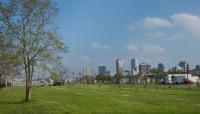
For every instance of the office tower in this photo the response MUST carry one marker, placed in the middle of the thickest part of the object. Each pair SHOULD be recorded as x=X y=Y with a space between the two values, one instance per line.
x=144 y=68
x=197 y=69
x=87 y=71
x=134 y=66
x=161 y=67
x=183 y=65
x=102 y=70
x=120 y=67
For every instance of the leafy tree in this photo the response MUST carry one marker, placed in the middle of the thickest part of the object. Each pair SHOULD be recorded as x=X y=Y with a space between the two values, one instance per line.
x=29 y=24
x=54 y=75
x=173 y=78
x=158 y=74
x=145 y=78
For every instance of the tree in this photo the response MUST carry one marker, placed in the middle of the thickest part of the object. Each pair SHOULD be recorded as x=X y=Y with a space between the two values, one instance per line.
x=54 y=75
x=145 y=78
x=173 y=78
x=62 y=71
x=158 y=73
x=59 y=73
x=9 y=63
x=29 y=24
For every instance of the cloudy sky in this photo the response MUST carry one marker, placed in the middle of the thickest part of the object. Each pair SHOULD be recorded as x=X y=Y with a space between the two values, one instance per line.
x=100 y=31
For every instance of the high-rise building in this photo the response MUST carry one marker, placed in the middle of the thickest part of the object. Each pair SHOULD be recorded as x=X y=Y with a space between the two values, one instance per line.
x=120 y=67
x=134 y=66
x=102 y=70
x=183 y=65
x=197 y=69
x=144 y=68
x=87 y=71
x=161 y=67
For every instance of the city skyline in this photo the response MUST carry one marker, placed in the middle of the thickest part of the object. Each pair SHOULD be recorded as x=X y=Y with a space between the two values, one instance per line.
x=136 y=67
x=99 y=32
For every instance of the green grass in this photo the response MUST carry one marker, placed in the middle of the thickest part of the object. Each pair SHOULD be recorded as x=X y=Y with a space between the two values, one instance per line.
x=105 y=100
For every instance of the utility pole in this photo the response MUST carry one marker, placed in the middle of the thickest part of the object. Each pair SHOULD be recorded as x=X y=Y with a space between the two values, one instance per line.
x=187 y=71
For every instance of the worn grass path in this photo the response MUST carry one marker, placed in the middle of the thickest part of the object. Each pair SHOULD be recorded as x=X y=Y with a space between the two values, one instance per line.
x=104 y=100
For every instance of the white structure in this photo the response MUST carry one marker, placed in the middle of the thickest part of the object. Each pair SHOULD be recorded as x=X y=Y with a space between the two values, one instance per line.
x=179 y=78
x=87 y=71
x=120 y=66
x=134 y=66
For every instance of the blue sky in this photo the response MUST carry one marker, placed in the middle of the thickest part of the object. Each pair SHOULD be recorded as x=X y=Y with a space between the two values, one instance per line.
x=100 y=31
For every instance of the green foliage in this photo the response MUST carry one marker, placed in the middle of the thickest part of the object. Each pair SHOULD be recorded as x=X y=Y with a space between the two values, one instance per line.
x=158 y=74
x=103 y=78
x=173 y=78
x=145 y=77
x=54 y=75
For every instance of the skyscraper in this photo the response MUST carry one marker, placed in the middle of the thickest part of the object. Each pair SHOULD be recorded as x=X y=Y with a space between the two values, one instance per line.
x=183 y=65
x=144 y=68
x=120 y=67
x=87 y=71
x=161 y=67
x=102 y=70
x=134 y=66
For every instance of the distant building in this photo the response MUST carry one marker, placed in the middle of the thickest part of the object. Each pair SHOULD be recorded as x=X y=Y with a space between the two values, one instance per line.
x=180 y=78
x=176 y=69
x=87 y=71
x=120 y=67
x=197 y=69
x=161 y=67
x=102 y=70
x=108 y=73
x=127 y=72
x=134 y=66
x=183 y=65
x=144 y=68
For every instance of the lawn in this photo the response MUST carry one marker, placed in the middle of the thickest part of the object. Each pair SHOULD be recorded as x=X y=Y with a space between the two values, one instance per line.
x=104 y=100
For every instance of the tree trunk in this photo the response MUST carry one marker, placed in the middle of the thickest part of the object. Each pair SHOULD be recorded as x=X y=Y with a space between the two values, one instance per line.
x=28 y=93
x=27 y=84
x=29 y=74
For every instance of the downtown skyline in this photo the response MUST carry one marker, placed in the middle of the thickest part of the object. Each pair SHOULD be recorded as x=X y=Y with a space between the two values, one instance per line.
x=99 y=32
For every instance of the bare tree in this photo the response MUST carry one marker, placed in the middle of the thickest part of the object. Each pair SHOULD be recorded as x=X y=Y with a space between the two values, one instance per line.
x=29 y=23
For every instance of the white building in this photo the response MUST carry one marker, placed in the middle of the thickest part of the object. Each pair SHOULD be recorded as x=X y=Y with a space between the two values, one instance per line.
x=179 y=78
x=87 y=71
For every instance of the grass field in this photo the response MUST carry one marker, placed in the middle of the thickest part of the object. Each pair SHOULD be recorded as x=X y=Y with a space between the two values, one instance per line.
x=104 y=100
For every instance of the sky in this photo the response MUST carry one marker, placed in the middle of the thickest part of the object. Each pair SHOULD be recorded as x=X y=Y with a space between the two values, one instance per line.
x=100 y=31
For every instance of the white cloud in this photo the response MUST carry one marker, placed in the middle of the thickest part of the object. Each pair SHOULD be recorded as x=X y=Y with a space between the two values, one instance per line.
x=155 y=34
x=153 y=49
x=151 y=22
x=95 y=45
x=156 y=22
x=177 y=36
x=86 y=58
x=106 y=46
x=191 y=23
x=131 y=27
x=132 y=48
x=99 y=46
